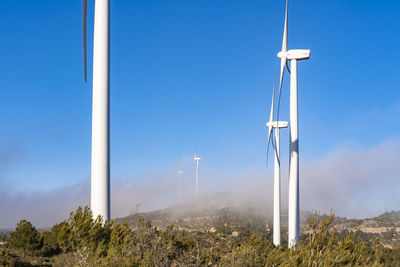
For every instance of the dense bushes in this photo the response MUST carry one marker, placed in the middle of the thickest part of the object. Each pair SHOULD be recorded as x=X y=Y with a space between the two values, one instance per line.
x=83 y=241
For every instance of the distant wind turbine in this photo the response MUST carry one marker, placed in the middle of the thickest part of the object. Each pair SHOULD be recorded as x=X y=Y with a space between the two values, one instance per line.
x=100 y=169
x=294 y=206
x=196 y=160
x=180 y=172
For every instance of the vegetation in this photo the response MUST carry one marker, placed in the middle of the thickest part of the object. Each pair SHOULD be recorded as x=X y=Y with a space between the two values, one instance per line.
x=84 y=241
x=3 y=237
x=25 y=238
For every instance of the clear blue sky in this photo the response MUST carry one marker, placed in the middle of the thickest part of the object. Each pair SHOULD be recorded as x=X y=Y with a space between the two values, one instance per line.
x=191 y=71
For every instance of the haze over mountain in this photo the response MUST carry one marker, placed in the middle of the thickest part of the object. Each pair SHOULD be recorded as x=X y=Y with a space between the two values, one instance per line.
x=352 y=181
x=220 y=214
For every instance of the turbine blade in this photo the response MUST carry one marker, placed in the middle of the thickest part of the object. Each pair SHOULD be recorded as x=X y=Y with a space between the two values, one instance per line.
x=269 y=141
x=283 y=63
x=84 y=21
x=274 y=147
x=271 y=115
x=266 y=162
x=285 y=29
x=283 y=59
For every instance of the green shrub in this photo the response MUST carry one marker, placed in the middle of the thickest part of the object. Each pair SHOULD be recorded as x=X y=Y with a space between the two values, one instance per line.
x=25 y=238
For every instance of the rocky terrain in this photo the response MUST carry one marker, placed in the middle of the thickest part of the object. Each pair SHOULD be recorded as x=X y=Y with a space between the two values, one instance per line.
x=226 y=218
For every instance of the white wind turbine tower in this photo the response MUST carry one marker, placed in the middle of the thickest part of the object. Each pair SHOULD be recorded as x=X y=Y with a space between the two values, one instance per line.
x=277 y=172
x=196 y=160
x=293 y=56
x=180 y=172
x=100 y=169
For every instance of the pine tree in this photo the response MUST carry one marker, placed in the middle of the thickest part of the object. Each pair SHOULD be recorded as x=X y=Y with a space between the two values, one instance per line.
x=25 y=238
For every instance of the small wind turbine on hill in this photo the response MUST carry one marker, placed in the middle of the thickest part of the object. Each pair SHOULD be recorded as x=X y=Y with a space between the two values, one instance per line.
x=100 y=169
x=180 y=172
x=196 y=160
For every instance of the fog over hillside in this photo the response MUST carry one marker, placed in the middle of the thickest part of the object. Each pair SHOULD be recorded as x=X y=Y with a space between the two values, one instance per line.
x=352 y=181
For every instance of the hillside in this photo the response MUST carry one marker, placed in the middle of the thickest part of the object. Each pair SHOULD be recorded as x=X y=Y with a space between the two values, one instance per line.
x=204 y=233
x=226 y=219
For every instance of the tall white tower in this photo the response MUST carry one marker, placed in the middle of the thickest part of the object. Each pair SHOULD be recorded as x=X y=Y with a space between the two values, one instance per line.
x=196 y=162
x=100 y=165
x=277 y=181
x=180 y=172
x=294 y=203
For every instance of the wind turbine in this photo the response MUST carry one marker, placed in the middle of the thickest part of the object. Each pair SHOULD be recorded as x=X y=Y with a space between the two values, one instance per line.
x=196 y=160
x=277 y=172
x=180 y=172
x=100 y=165
x=293 y=56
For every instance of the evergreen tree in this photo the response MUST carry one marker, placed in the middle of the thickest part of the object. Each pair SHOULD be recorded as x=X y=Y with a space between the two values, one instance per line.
x=25 y=238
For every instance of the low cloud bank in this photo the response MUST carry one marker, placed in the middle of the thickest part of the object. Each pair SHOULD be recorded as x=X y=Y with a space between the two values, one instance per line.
x=353 y=181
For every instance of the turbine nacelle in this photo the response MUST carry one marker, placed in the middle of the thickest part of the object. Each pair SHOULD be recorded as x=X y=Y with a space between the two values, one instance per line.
x=298 y=54
x=278 y=124
x=196 y=158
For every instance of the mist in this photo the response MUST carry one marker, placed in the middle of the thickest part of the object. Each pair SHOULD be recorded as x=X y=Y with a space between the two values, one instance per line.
x=350 y=180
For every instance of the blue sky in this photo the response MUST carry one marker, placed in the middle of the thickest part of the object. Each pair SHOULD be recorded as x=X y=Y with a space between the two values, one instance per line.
x=187 y=72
